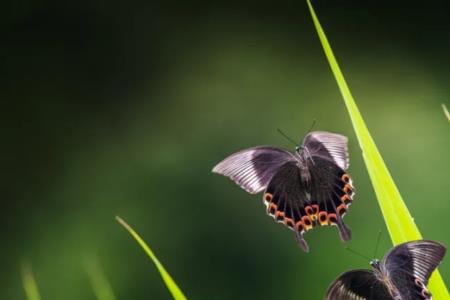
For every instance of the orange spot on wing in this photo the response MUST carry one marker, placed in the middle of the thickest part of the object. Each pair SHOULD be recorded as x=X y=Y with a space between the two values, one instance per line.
x=289 y=222
x=312 y=211
x=347 y=188
x=345 y=178
x=346 y=199
x=268 y=197
x=342 y=209
x=332 y=219
x=307 y=222
x=279 y=215
x=426 y=294
x=418 y=282
x=272 y=208
x=299 y=226
x=323 y=219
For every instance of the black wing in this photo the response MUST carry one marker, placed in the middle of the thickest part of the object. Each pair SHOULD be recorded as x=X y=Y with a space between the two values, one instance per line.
x=253 y=168
x=409 y=266
x=331 y=188
x=302 y=198
x=286 y=197
x=358 y=285
x=326 y=158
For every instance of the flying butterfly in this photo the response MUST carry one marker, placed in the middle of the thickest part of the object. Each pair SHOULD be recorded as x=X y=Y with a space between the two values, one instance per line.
x=402 y=275
x=302 y=189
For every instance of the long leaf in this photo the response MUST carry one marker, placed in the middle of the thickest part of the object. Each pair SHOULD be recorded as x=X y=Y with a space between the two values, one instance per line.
x=170 y=283
x=399 y=222
x=29 y=283
x=447 y=114
x=99 y=282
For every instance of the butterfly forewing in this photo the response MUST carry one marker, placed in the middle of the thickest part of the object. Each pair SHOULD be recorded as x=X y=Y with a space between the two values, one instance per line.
x=358 y=285
x=409 y=267
x=253 y=168
x=330 y=146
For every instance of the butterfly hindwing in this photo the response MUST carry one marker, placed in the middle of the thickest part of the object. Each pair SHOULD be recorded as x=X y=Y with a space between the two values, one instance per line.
x=331 y=188
x=286 y=198
x=358 y=285
x=253 y=168
x=303 y=198
x=409 y=267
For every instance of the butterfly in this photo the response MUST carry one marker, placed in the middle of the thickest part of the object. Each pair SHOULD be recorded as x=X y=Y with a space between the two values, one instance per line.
x=302 y=189
x=402 y=275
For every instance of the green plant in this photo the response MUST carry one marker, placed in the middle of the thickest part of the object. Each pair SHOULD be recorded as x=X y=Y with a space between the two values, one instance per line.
x=170 y=283
x=29 y=283
x=99 y=282
x=447 y=114
x=399 y=222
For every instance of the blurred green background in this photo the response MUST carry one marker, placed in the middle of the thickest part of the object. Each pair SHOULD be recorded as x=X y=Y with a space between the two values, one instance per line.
x=124 y=107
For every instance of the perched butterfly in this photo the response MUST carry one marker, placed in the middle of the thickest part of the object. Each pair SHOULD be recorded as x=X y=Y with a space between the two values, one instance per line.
x=302 y=189
x=402 y=275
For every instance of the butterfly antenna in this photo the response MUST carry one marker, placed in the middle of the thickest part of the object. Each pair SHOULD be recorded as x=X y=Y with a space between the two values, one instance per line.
x=312 y=125
x=377 y=244
x=357 y=253
x=288 y=138
x=310 y=128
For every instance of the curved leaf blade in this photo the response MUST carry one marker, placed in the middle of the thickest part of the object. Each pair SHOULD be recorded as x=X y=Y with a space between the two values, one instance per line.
x=170 y=283
x=29 y=283
x=447 y=114
x=100 y=284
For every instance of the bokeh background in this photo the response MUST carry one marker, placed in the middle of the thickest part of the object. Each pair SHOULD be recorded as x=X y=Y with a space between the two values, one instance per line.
x=122 y=108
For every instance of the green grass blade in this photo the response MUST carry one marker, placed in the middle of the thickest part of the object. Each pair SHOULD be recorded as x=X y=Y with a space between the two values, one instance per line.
x=447 y=114
x=99 y=282
x=399 y=222
x=29 y=283
x=170 y=283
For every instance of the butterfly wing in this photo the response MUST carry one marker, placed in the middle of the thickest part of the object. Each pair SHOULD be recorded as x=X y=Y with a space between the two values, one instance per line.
x=326 y=158
x=358 y=285
x=286 y=198
x=409 y=266
x=253 y=168
x=302 y=199
x=302 y=189
x=331 y=188
x=329 y=146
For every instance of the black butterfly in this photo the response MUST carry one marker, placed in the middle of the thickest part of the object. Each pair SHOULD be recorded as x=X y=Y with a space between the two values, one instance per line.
x=304 y=188
x=402 y=275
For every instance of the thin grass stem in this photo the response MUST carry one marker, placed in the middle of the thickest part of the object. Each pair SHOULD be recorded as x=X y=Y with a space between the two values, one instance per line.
x=29 y=283
x=170 y=283
x=100 y=284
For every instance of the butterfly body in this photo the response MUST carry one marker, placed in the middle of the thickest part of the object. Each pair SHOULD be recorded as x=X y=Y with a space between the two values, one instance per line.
x=402 y=275
x=382 y=277
x=302 y=189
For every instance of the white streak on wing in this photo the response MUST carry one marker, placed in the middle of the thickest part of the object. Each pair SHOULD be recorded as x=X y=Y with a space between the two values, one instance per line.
x=336 y=145
x=420 y=271
x=424 y=255
x=348 y=293
x=239 y=168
